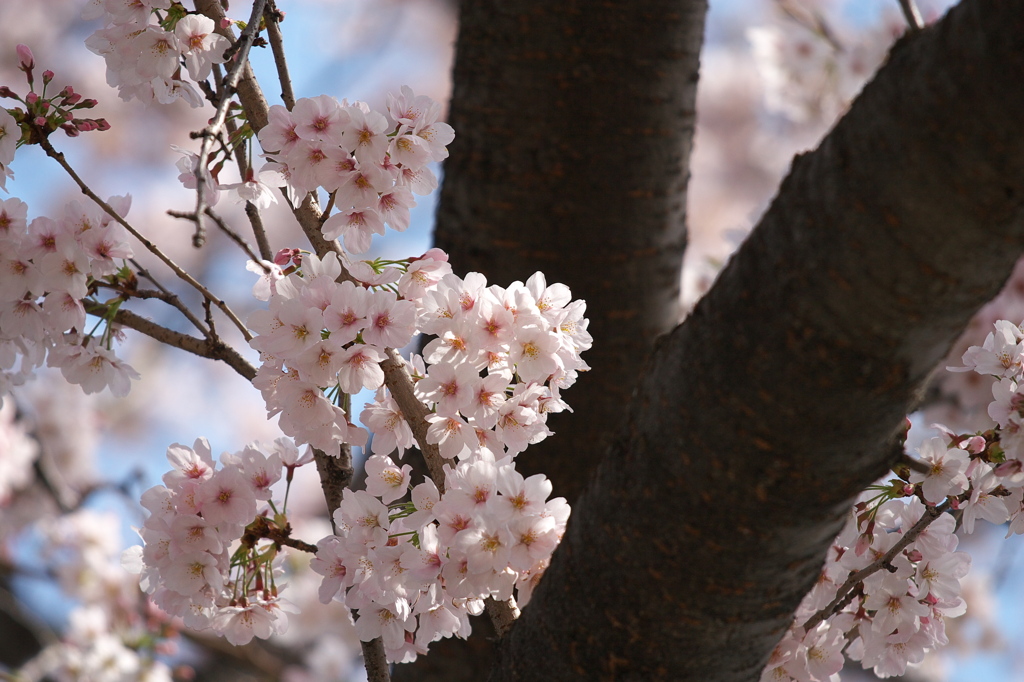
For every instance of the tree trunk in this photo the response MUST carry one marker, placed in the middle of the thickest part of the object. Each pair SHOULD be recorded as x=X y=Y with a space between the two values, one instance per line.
x=761 y=418
x=574 y=127
x=574 y=122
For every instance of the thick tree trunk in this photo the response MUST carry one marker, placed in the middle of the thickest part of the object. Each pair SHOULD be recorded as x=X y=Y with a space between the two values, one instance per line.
x=765 y=414
x=574 y=125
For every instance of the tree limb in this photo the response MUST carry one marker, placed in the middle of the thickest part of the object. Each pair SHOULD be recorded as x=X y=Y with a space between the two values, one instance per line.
x=760 y=419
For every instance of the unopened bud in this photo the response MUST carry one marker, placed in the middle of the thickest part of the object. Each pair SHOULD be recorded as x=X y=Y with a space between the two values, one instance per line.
x=225 y=23
x=285 y=256
x=39 y=120
x=101 y=124
x=32 y=98
x=6 y=91
x=47 y=76
x=71 y=130
x=974 y=445
x=25 y=59
x=87 y=104
x=73 y=98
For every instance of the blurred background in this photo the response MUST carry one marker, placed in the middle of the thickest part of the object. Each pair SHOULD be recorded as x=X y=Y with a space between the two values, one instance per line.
x=775 y=75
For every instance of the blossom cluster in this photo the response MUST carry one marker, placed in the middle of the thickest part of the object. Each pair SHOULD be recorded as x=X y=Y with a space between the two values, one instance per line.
x=416 y=571
x=895 y=615
x=146 y=42
x=192 y=562
x=491 y=375
x=892 y=617
x=369 y=163
x=47 y=268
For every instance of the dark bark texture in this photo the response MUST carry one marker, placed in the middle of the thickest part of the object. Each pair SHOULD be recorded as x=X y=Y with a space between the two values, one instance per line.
x=574 y=121
x=762 y=417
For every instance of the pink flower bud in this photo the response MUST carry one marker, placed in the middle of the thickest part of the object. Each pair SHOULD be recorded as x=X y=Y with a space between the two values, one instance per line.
x=6 y=91
x=25 y=58
x=285 y=256
x=101 y=124
x=32 y=98
x=974 y=445
x=47 y=76
x=71 y=130
x=225 y=23
x=39 y=120
x=1009 y=468
x=73 y=98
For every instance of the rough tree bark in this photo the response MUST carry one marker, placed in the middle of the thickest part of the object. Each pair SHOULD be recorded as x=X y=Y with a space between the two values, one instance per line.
x=574 y=125
x=760 y=419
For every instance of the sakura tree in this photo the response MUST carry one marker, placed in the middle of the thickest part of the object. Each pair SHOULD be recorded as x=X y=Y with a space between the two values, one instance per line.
x=720 y=526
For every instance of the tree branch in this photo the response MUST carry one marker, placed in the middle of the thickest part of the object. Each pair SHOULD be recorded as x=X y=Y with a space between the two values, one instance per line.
x=150 y=246
x=240 y=54
x=911 y=14
x=214 y=349
x=760 y=419
x=257 y=112
x=274 y=18
x=884 y=561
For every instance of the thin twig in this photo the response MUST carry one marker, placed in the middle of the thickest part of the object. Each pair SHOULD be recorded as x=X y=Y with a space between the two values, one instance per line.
x=239 y=150
x=914 y=464
x=252 y=211
x=205 y=348
x=274 y=17
x=248 y=90
x=258 y=231
x=240 y=55
x=812 y=21
x=171 y=298
x=327 y=209
x=234 y=236
x=257 y=110
x=912 y=15
x=884 y=561
x=150 y=246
